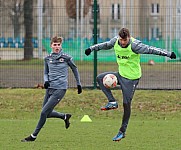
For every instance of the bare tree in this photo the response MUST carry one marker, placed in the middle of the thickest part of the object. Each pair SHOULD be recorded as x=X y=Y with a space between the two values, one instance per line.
x=15 y=15
x=28 y=22
x=71 y=7
x=15 y=12
x=75 y=14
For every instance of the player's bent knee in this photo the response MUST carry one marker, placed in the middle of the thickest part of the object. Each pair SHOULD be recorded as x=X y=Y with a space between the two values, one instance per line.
x=99 y=78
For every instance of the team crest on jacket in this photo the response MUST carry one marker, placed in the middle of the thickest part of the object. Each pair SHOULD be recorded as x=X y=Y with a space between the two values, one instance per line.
x=61 y=60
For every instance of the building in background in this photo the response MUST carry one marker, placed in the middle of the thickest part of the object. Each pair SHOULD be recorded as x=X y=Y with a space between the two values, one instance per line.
x=146 y=19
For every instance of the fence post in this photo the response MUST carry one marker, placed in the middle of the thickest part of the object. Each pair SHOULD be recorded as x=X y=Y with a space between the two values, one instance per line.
x=95 y=42
x=40 y=27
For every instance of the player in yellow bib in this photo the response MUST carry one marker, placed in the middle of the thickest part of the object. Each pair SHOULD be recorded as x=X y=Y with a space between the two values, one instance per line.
x=127 y=52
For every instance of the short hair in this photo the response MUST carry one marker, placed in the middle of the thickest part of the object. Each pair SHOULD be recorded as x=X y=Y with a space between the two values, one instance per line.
x=57 y=39
x=124 y=33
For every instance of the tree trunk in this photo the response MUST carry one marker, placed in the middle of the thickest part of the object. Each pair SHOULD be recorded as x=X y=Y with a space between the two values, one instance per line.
x=17 y=26
x=28 y=22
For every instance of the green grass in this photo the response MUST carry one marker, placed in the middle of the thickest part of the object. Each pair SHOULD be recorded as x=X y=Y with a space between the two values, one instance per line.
x=155 y=121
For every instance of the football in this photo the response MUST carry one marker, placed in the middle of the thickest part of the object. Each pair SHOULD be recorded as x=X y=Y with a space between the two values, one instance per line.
x=110 y=81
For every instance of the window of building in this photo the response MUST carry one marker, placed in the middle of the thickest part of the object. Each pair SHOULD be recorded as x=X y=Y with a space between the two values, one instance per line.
x=71 y=33
x=43 y=6
x=114 y=31
x=98 y=12
x=98 y=33
x=155 y=33
x=155 y=8
x=115 y=11
x=179 y=10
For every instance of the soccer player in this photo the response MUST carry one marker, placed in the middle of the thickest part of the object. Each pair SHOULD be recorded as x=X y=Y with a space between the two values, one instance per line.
x=127 y=51
x=56 y=67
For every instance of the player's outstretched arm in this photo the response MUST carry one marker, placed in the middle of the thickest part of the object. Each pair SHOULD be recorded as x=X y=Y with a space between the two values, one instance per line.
x=101 y=46
x=140 y=48
x=76 y=74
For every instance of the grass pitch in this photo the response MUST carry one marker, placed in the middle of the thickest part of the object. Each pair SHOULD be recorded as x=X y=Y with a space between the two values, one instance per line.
x=154 y=124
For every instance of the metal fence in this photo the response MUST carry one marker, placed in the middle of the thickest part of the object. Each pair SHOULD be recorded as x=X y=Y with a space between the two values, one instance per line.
x=156 y=23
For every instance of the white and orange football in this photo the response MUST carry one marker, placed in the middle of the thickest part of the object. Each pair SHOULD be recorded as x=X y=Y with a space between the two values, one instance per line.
x=110 y=81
